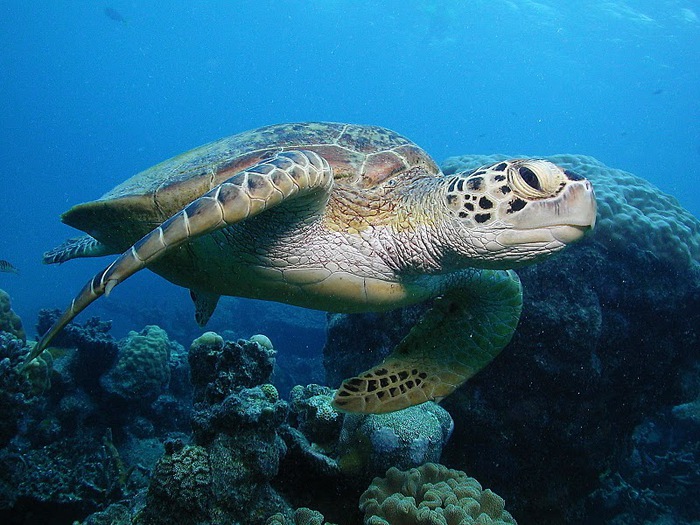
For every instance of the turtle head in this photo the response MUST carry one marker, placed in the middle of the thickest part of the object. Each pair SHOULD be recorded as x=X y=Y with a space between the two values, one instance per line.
x=516 y=212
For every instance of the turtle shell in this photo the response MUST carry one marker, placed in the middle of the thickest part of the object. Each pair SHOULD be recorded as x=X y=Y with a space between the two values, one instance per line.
x=361 y=156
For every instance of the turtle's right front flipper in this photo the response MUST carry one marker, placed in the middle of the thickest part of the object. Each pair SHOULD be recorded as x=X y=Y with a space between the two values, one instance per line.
x=287 y=175
x=459 y=335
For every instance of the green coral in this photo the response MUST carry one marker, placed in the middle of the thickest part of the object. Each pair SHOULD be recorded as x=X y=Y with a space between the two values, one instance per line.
x=431 y=494
x=39 y=371
x=142 y=368
x=9 y=320
x=631 y=211
x=270 y=392
x=208 y=339
x=262 y=340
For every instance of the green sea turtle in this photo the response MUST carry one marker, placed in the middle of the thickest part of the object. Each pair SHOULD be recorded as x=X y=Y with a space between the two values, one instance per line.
x=343 y=218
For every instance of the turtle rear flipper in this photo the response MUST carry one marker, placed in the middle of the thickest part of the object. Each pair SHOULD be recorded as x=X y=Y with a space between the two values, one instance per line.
x=460 y=334
x=292 y=174
x=77 y=247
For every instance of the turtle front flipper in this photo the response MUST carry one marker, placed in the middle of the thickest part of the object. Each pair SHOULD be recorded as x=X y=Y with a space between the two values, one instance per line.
x=460 y=334
x=77 y=247
x=287 y=175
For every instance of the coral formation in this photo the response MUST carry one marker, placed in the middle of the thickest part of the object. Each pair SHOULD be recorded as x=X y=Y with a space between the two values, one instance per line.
x=9 y=320
x=225 y=475
x=301 y=516
x=141 y=370
x=95 y=347
x=68 y=473
x=658 y=478
x=313 y=415
x=431 y=493
x=371 y=443
x=75 y=447
x=183 y=479
x=16 y=391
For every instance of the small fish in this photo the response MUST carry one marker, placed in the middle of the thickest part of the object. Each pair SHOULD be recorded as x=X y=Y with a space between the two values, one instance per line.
x=7 y=267
x=115 y=15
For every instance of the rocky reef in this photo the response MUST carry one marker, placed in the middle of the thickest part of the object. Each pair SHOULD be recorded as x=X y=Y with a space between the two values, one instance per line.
x=72 y=440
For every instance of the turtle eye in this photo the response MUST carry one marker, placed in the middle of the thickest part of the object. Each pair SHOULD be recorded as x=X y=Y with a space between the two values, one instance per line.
x=530 y=178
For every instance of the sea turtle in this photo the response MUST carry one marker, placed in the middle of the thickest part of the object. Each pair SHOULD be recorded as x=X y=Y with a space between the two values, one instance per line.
x=344 y=218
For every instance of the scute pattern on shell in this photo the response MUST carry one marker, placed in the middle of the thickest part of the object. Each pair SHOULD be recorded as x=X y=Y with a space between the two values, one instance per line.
x=237 y=152
x=362 y=156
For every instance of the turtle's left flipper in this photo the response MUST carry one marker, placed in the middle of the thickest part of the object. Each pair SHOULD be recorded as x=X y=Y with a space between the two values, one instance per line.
x=287 y=175
x=77 y=247
x=463 y=331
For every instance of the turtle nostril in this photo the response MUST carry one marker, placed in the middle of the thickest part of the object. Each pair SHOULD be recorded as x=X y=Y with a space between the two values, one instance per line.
x=572 y=176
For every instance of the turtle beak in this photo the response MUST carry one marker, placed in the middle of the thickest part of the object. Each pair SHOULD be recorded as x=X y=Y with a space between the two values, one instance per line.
x=571 y=213
x=563 y=219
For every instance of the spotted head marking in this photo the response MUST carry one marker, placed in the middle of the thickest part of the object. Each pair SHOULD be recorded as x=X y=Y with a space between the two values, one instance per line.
x=518 y=210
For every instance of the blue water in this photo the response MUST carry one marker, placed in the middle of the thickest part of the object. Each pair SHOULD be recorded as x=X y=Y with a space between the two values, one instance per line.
x=89 y=99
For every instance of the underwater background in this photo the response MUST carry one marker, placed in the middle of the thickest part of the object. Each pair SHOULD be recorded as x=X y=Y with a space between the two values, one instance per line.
x=93 y=92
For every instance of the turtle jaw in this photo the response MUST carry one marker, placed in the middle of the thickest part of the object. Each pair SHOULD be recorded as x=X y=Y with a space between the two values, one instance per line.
x=575 y=207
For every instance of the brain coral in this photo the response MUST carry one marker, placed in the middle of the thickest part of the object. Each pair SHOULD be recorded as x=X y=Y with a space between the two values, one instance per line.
x=431 y=495
x=630 y=209
x=142 y=369
x=181 y=485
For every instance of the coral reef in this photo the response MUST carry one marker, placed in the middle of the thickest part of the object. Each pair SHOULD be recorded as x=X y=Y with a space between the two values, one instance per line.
x=70 y=446
x=606 y=327
x=16 y=391
x=658 y=478
x=9 y=320
x=431 y=493
x=65 y=473
x=94 y=345
x=183 y=479
x=313 y=415
x=225 y=475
